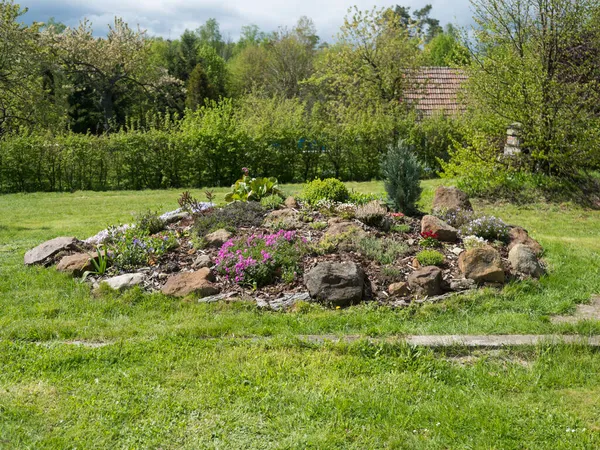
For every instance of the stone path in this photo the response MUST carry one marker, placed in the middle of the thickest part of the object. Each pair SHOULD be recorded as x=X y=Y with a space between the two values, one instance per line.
x=583 y=312
x=433 y=341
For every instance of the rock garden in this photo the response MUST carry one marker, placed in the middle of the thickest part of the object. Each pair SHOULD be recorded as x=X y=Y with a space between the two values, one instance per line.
x=326 y=245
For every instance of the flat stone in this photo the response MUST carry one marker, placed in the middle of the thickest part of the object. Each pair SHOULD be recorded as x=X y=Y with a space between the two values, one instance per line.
x=202 y=261
x=482 y=265
x=291 y=202
x=286 y=219
x=43 y=253
x=426 y=281
x=583 y=312
x=399 y=289
x=186 y=283
x=445 y=232
x=523 y=260
x=75 y=264
x=126 y=281
x=218 y=238
x=462 y=284
x=336 y=283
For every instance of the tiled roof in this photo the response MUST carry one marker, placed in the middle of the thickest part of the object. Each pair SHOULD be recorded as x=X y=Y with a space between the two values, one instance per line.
x=436 y=89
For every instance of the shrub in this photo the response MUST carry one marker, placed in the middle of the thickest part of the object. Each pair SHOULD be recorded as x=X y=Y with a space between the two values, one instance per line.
x=374 y=215
x=318 y=225
x=401 y=172
x=471 y=242
x=232 y=216
x=430 y=258
x=400 y=228
x=358 y=198
x=487 y=227
x=272 y=201
x=384 y=251
x=261 y=259
x=133 y=248
x=330 y=189
x=253 y=189
x=331 y=208
x=149 y=222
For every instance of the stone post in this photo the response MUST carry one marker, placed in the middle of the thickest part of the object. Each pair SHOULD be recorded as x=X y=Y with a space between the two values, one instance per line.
x=513 y=140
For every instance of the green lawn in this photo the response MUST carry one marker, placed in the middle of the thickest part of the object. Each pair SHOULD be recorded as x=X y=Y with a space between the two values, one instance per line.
x=162 y=384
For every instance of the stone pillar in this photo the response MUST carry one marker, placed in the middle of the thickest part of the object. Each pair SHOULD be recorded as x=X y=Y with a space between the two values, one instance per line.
x=513 y=140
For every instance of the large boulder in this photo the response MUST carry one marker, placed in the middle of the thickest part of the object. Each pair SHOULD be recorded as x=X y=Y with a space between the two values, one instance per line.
x=286 y=219
x=217 y=238
x=125 y=281
x=44 y=253
x=482 y=265
x=523 y=260
x=186 y=283
x=450 y=199
x=336 y=283
x=436 y=225
x=426 y=281
x=75 y=264
x=518 y=235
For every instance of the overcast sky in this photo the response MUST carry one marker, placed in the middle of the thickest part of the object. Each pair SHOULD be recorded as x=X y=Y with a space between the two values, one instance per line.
x=168 y=18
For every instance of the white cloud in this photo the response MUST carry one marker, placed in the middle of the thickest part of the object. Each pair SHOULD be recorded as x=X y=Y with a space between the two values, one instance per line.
x=168 y=18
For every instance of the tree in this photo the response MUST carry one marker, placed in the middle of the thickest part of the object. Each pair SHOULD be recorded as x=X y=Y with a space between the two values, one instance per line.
x=370 y=62
x=198 y=88
x=209 y=35
x=110 y=68
x=23 y=99
x=526 y=70
x=420 y=24
x=445 y=49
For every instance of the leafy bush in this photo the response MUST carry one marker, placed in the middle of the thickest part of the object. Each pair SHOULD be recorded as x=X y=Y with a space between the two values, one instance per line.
x=471 y=242
x=358 y=198
x=487 y=227
x=272 y=201
x=133 y=248
x=232 y=216
x=330 y=189
x=400 y=228
x=318 y=225
x=374 y=215
x=430 y=258
x=149 y=222
x=384 y=251
x=261 y=259
x=401 y=172
x=253 y=189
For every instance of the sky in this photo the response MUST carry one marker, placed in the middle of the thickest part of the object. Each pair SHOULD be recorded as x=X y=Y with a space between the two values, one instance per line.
x=169 y=18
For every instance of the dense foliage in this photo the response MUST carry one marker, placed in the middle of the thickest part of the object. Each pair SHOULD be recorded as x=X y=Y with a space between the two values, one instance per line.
x=401 y=171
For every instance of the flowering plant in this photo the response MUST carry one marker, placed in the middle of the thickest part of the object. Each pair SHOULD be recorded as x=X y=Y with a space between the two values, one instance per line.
x=397 y=216
x=486 y=227
x=260 y=259
x=474 y=242
x=135 y=248
x=430 y=239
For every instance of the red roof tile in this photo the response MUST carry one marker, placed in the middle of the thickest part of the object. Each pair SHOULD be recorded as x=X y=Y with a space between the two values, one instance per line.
x=436 y=89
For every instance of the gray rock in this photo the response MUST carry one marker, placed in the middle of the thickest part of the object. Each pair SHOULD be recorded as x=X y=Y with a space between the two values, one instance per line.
x=43 y=253
x=482 y=265
x=218 y=238
x=125 y=281
x=336 y=283
x=462 y=284
x=202 y=261
x=450 y=199
x=285 y=219
x=436 y=225
x=457 y=251
x=523 y=260
x=426 y=281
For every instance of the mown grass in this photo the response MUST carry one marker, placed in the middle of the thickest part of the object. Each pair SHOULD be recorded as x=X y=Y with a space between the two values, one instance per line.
x=162 y=384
